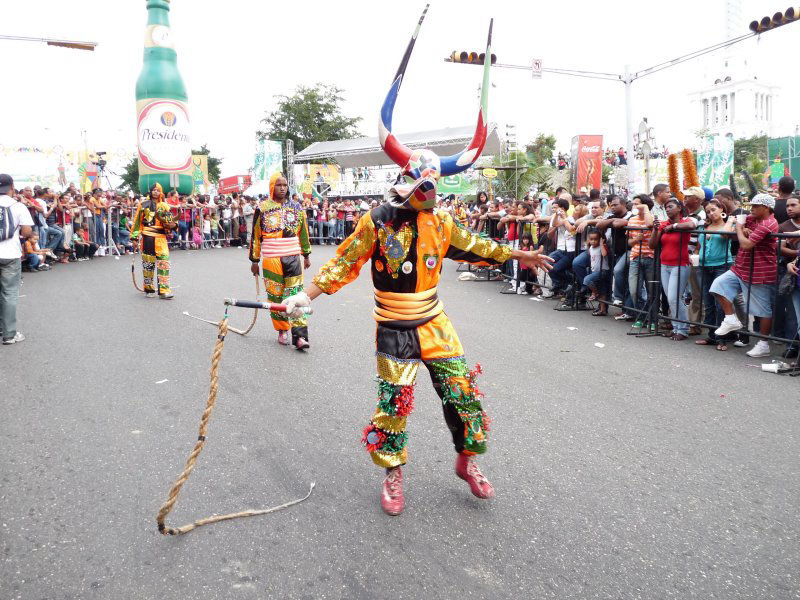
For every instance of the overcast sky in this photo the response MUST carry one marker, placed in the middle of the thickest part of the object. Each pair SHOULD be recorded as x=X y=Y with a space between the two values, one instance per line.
x=236 y=55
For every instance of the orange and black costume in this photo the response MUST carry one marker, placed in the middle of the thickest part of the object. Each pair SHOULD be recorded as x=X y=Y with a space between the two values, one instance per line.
x=152 y=221
x=407 y=248
x=279 y=241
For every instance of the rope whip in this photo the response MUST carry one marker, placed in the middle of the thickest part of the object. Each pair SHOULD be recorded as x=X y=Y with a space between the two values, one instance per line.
x=172 y=497
x=133 y=270
x=233 y=329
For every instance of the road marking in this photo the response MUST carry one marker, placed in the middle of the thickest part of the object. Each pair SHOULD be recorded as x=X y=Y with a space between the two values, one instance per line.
x=162 y=381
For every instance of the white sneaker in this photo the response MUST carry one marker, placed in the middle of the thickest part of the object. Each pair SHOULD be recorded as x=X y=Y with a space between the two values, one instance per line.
x=729 y=323
x=760 y=349
x=522 y=291
x=617 y=302
x=739 y=344
x=17 y=338
x=547 y=293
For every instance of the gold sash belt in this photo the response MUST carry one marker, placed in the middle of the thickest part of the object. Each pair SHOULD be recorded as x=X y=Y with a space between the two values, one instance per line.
x=394 y=306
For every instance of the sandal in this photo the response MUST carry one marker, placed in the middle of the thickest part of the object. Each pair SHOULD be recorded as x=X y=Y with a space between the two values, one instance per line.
x=722 y=347
x=599 y=313
x=679 y=337
x=703 y=342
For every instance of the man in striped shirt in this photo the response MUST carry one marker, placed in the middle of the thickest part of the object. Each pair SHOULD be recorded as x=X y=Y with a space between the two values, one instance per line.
x=753 y=274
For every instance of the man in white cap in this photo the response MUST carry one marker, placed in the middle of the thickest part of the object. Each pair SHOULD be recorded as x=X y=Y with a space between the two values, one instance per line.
x=15 y=221
x=754 y=272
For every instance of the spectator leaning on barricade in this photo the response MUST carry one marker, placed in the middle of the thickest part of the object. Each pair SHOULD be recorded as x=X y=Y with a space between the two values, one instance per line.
x=713 y=258
x=786 y=316
x=693 y=199
x=562 y=230
x=613 y=225
x=672 y=237
x=15 y=223
x=753 y=274
x=785 y=214
x=641 y=266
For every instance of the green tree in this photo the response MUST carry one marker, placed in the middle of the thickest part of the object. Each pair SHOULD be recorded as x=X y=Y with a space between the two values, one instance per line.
x=749 y=154
x=130 y=176
x=540 y=150
x=311 y=114
x=515 y=181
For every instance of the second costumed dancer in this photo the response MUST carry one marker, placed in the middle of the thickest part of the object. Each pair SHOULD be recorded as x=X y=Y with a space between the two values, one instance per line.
x=406 y=240
x=279 y=238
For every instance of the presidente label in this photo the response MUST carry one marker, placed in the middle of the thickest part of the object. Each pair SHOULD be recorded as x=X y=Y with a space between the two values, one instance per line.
x=164 y=136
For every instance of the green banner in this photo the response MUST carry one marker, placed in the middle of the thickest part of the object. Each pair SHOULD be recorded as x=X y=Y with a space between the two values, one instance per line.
x=715 y=161
x=453 y=184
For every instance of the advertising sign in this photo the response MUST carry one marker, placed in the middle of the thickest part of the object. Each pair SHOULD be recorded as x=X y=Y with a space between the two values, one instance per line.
x=587 y=163
x=235 y=183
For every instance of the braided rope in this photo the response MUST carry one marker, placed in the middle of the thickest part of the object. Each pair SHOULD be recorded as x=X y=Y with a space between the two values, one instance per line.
x=172 y=497
x=255 y=314
x=133 y=271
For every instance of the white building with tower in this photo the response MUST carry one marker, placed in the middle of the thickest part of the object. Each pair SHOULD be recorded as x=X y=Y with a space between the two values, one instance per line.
x=736 y=101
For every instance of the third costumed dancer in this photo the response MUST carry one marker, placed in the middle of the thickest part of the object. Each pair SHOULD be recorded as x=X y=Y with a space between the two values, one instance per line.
x=406 y=240
x=280 y=236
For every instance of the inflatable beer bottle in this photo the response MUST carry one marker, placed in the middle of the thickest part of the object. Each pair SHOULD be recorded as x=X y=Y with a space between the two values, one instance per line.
x=164 y=144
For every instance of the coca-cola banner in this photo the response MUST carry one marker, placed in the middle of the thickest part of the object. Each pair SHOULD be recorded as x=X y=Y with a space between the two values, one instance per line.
x=587 y=163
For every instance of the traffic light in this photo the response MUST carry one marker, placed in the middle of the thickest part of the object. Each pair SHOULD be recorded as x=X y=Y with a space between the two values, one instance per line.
x=779 y=18
x=470 y=58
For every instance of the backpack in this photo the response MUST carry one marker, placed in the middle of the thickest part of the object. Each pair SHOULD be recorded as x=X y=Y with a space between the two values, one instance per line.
x=8 y=227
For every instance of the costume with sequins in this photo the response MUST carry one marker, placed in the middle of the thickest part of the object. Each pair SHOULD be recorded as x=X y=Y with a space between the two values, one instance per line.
x=406 y=248
x=152 y=221
x=280 y=242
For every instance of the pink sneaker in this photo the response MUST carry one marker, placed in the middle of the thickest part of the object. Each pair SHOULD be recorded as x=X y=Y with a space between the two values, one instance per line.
x=467 y=469
x=302 y=344
x=283 y=338
x=392 y=501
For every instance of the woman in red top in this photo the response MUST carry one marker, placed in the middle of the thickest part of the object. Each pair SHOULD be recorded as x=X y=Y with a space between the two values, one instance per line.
x=673 y=238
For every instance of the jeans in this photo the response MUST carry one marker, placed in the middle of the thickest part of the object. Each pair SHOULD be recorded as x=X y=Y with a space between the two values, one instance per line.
x=183 y=233
x=99 y=231
x=640 y=272
x=711 y=307
x=560 y=272
x=786 y=316
x=34 y=260
x=796 y=303
x=580 y=266
x=51 y=237
x=339 y=229
x=10 y=276
x=598 y=280
x=674 y=281
x=621 y=281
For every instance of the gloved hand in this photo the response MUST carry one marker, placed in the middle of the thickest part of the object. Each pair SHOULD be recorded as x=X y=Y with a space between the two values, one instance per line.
x=294 y=305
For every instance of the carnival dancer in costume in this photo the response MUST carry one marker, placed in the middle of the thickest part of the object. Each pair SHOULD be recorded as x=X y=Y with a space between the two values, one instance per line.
x=152 y=222
x=280 y=237
x=407 y=240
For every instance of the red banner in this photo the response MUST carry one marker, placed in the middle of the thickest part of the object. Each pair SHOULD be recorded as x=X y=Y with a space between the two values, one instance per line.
x=588 y=164
x=236 y=183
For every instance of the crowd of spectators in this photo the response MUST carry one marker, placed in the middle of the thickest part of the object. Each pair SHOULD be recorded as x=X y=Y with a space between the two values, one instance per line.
x=702 y=266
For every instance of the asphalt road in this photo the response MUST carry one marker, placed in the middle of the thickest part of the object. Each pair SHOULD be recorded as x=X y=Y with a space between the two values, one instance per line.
x=643 y=469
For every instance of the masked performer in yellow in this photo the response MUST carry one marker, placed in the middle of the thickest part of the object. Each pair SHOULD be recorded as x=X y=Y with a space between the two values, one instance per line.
x=280 y=237
x=152 y=222
x=407 y=240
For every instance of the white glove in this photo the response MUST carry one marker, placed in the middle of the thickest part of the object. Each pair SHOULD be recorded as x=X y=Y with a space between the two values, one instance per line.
x=294 y=305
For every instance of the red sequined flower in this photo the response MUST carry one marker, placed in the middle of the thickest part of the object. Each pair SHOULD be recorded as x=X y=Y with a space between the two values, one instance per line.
x=373 y=438
x=404 y=401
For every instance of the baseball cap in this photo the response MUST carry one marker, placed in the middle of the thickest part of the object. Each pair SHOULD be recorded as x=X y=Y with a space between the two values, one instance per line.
x=695 y=191
x=764 y=199
x=5 y=183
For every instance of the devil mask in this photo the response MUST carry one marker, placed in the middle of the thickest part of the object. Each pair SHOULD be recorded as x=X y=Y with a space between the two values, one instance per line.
x=422 y=168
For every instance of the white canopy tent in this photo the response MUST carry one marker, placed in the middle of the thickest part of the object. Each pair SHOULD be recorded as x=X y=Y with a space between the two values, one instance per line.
x=367 y=151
